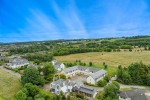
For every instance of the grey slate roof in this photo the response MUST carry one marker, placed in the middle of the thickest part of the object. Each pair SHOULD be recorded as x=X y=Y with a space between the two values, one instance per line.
x=82 y=68
x=59 y=82
x=57 y=65
x=98 y=74
x=134 y=94
x=62 y=82
x=79 y=83
x=18 y=61
x=86 y=89
x=70 y=69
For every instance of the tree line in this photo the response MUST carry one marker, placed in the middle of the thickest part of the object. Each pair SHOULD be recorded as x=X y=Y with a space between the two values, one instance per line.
x=136 y=73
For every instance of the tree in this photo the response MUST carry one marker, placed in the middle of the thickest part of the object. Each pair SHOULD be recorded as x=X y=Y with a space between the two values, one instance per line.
x=90 y=63
x=48 y=68
x=138 y=73
x=48 y=71
x=126 y=78
x=21 y=95
x=63 y=76
x=101 y=83
x=105 y=66
x=148 y=79
x=110 y=90
x=130 y=50
x=31 y=75
x=119 y=72
x=62 y=96
x=39 y=96
x=36 y=61
x=107 y=78
x=32 y=89
x=116 y=84
x=100 y=96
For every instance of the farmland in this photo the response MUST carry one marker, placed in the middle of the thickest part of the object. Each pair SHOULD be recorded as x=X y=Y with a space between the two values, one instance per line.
x=9 y=85
x=110 y=58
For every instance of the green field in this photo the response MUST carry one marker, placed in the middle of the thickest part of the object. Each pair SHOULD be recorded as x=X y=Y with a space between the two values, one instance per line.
x=9 y=85
x=110 y=58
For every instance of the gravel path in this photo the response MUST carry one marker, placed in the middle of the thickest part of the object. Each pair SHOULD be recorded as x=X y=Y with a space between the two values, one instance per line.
x=135 y=86
x=10 y=71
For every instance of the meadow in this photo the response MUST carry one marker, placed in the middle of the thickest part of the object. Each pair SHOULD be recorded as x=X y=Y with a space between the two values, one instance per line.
x=9 y=85
x=112 y=59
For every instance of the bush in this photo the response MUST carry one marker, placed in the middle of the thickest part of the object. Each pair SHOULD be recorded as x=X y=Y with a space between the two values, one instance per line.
x=116 y=84
x=90 y=84
x=80 y=96
x=101 y=83
x=107 y=78
x=90 y=63
x=63 y=76
x=21 y=95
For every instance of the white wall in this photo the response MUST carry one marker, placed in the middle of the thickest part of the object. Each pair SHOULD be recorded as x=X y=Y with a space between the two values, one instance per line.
x=95 y=95
x=53 y=62
x=124 y=99
x=17 y=66
x=62 y=66
x=90 y=80
x=64 y=89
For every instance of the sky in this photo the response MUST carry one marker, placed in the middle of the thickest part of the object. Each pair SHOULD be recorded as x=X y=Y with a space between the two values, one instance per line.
x=37 y=20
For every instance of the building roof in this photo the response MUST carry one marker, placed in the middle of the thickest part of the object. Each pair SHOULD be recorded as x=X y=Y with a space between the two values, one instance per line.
x=18 y=61
x=59 y=82
x=80 y=83
x=57 y=65
x=134 y=94
x=86 y=89
x=62 y=82
x=82 y=68
x=98 y=74
x=70 y=69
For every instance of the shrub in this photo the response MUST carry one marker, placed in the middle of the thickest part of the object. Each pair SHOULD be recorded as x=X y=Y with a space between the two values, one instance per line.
x=21 y=95
x=63 y=76
x=107 y=78
x=101 y=83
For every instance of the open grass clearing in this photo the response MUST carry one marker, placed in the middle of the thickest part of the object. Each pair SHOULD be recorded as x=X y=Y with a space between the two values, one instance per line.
x=9 y=85
x=110 y=58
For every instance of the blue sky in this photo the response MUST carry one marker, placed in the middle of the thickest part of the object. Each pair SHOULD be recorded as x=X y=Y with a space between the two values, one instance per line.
x=31 y=20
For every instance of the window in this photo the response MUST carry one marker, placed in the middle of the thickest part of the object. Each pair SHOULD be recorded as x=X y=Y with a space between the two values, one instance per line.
x=57 y=87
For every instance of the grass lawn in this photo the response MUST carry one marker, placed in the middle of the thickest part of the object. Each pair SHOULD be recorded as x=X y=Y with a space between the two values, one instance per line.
x=125 y=89
x=110 y=58
x=1 y=98
x=9 y=85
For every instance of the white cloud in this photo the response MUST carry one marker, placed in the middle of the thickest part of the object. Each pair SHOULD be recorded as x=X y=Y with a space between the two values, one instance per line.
x=71 y=20
x=40 y=26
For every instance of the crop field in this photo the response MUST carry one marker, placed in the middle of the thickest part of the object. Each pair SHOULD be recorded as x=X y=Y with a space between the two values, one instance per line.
x=9 y=85
x=112 y=59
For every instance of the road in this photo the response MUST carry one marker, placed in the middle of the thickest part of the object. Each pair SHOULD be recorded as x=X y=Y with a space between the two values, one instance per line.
x=11 y=72
x=134 y=86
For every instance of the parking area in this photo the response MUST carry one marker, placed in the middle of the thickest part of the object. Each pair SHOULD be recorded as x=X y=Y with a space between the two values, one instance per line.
x=79 y=77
